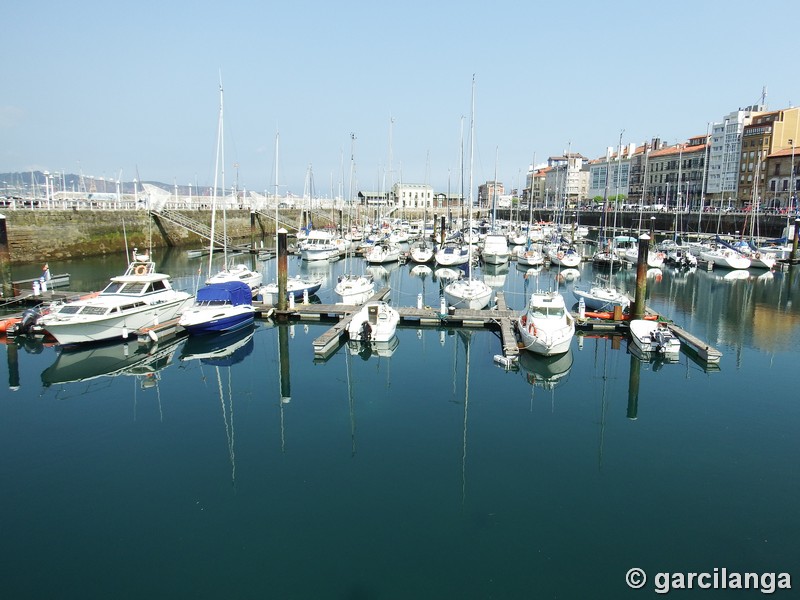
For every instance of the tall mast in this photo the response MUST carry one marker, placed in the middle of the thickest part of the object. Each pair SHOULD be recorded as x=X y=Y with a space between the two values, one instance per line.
x=703 y=182
x=216 y=175
x=471 y=163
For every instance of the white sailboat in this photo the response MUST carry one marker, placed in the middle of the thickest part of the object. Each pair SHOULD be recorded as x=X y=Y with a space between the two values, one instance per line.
x=353 y=288
x=297 y=286
x=469 y=293
x=229 y=272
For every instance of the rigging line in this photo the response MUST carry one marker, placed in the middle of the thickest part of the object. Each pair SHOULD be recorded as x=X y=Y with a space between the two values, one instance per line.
x=224 y=411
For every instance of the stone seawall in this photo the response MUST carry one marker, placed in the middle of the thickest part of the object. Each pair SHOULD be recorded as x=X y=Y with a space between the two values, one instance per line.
x=42 y=235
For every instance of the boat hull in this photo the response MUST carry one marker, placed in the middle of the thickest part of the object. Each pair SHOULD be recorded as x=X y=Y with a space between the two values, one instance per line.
x=374 y=322
x=80 y=331
x=654 y=337
x=203 y=321
x=465 y=293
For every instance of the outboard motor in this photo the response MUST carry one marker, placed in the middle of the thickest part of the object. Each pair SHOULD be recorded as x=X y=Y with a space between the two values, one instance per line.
x=661 y=345
x=366 y=331
x=29 y=318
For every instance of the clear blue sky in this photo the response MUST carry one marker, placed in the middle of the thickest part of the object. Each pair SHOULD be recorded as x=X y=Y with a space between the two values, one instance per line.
x=104 y=87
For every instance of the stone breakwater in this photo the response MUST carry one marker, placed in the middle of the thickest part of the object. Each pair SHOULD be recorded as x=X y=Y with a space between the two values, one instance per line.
x=42 y=235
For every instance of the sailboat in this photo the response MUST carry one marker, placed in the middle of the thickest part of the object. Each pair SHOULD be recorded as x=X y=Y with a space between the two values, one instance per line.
x=353 y=288
x=297 y=286
x=422 y=251
x=530 y=255
x=229 y=272
x=226 y=301
x=469 y=293
x=495 y=246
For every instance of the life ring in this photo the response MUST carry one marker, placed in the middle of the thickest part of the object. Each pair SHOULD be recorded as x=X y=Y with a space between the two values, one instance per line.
x=140 y=270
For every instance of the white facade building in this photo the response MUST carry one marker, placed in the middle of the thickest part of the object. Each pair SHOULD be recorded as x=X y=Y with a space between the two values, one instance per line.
x=412 y=195
x=726 y=145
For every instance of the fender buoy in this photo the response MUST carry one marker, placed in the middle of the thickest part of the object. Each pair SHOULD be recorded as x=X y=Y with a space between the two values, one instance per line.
x=140 y=270
x=560 y=255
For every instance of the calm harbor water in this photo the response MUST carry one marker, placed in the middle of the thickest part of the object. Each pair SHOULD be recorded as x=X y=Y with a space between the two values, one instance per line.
x=425 y=472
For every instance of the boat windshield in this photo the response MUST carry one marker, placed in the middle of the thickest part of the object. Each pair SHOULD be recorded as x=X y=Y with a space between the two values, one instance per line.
x=547 y=311
x=121 y=287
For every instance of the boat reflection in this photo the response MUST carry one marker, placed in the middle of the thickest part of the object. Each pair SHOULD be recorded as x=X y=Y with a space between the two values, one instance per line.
x=110 y=360
x=545 y=371
x=655 y=360
x=219 y=350
x=495 y=275
x=365 y=350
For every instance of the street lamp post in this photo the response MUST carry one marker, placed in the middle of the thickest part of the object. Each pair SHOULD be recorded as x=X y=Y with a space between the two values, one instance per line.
x=791 y=202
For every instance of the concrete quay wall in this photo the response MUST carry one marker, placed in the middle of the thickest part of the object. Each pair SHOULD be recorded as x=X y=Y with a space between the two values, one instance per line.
x=42 y=235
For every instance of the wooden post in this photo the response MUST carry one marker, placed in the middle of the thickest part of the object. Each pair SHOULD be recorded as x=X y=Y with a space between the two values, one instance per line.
x=637 y=311
x=6 y=287
x=633 y=388
x=441 y=232
x=283 y=357
x=282 y=269
x=252 y=230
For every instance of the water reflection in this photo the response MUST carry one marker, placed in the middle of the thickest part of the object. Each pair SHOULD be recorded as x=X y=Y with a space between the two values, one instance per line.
x=545 y=371
x=110 y=360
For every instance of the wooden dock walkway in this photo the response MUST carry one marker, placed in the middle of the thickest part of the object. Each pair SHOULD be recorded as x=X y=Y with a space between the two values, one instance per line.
x=703 y=350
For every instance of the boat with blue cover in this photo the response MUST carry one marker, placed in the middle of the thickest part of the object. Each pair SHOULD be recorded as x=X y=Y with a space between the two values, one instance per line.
x=219 y=307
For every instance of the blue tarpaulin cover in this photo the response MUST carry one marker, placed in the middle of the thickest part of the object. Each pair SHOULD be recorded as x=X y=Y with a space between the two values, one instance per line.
x=233 y=292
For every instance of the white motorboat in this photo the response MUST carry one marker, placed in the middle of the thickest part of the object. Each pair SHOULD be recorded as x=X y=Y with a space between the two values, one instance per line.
x=139 y=298
x=654 y=336
x=241 y=273
x=219 y=307
x=376 y=321
x=546 y=327
x=495 y=249
x=296 y=287
x=355 y=289
x=319 y=244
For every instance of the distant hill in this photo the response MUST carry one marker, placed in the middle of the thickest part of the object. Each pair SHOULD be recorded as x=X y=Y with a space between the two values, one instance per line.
x=20 y=184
